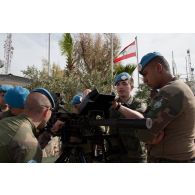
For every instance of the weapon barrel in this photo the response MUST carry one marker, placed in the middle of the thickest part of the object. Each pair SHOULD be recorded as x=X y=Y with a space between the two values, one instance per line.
x=131 y=123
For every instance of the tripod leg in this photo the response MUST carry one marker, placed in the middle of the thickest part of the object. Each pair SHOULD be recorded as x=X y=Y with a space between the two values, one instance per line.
x=77 y=155
x=82 y=157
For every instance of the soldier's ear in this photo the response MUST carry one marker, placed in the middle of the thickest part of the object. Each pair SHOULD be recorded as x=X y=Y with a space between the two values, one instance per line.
x=45 y=112
x=159 y=67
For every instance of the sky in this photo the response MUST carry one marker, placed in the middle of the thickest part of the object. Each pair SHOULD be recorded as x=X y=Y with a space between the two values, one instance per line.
x=31 y=48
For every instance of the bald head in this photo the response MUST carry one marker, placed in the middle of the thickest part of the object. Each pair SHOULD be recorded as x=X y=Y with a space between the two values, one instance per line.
x=35 y=102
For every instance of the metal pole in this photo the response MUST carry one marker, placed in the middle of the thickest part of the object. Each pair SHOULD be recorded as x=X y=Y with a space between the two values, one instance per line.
x=173 y=65
x=111 y=61
x=49 y=55
x=137 y=60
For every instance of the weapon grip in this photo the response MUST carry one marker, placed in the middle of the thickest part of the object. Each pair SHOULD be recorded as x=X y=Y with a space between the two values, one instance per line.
x=148 y=123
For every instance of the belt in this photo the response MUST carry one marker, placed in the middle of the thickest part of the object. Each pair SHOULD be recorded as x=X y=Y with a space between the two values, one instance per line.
x=164 y=160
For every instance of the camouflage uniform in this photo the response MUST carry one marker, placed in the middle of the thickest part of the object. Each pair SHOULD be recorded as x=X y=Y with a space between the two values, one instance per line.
x=127 y=146
x=17 y=140
x=172 y=110
x=5 y=114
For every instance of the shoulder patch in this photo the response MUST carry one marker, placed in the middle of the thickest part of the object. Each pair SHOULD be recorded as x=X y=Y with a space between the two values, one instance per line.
x=158 y=104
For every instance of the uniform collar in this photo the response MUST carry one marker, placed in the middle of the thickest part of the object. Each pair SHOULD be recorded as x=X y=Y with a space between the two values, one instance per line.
x=34 y=129
x=129 y=101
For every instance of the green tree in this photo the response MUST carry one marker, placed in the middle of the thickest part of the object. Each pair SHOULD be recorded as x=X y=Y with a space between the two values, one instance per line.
x=89 y=58
x=94 y=59
x=31 y=72
x=88 y=65
x=143 y=93
x=67 y=86
x=129 y=68
x=67 y=49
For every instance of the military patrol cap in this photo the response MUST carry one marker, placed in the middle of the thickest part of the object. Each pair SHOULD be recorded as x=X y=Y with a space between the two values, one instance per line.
x=46 y=93
x=146 y=59
x=121 y=77
x=76 y=99
x=5 y=88
x=16 y=97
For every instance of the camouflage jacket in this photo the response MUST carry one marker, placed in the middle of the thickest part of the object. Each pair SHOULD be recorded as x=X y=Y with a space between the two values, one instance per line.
x=17 y=140
x=173 y=111
x=5 y=114
x=133 y=148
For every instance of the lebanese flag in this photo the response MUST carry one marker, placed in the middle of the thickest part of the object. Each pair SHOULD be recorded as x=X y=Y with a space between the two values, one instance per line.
x=128 y=52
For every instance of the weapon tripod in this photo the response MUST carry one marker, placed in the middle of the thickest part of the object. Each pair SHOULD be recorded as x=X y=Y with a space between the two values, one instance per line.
x=97 y=151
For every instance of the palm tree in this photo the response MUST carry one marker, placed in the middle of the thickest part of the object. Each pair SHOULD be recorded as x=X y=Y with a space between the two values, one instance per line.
x=129 y=68
x=67 y=47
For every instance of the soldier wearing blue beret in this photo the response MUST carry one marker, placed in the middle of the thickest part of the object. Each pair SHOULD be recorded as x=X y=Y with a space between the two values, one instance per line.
x=171 y=138
x=130 y=148
x=18 y=142
x=15 y=98
x=3 y=89
x=75 y=102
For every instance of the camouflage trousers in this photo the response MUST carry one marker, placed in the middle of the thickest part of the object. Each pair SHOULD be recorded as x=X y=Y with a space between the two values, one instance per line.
x=164 y=160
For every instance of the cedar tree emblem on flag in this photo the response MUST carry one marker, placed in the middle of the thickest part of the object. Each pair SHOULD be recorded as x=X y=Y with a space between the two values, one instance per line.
x=128 y=52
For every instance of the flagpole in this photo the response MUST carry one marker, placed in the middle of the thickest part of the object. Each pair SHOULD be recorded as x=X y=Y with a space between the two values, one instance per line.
x=49 y=54
x=137 y=60
x=173 y=65
x=111 y=61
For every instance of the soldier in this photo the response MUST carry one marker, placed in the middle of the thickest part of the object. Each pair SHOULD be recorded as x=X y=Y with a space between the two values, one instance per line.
x=132 y=149
x=15 y=99
x=17 y=134
x=171 y=138
x=75 y=102
x=86 y=92
x=3 y=89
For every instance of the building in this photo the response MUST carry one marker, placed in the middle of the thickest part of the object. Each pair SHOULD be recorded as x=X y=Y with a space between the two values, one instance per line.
x=10 y=79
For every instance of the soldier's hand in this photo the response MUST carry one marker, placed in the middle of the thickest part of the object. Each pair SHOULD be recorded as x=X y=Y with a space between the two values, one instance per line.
x=158 y=138
x=58 y=125
x=115 y=104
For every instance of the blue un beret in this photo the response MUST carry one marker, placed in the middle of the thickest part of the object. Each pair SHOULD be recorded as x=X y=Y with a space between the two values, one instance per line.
x=16 y=97
x=46 y=93
x=146 y=59
x=121 y=77
x=5 y=88
x=76 y=99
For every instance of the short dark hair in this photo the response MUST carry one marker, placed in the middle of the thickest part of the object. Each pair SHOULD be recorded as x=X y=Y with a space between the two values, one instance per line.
x=163 y=61
x=131 y=82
